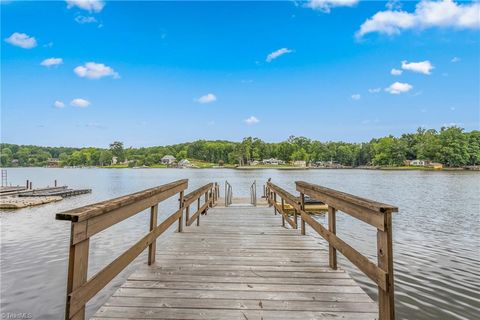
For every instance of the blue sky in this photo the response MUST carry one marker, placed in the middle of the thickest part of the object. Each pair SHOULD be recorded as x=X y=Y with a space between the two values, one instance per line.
x=86 y=73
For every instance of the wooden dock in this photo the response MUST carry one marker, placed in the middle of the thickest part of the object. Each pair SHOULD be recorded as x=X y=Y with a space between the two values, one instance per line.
x=240 y=262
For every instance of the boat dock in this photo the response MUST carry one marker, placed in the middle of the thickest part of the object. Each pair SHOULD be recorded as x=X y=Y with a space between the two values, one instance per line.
x=18 y=197
x=63 y=192
x=233 y=259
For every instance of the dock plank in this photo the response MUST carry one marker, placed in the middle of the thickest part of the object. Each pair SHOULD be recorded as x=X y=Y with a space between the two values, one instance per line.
x=239 y=264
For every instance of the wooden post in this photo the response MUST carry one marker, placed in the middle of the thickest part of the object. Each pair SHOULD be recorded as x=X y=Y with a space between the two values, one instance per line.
x=283 y=212
x=55 y=183
x=295 y=218
x=332 y=227
x=302 y=206
x=180 y=222
x=77 y=267
x=28 y=184
x=274 y=202
x=386 y=303
x=187 y=214
x=31 y=185
x=153 y=224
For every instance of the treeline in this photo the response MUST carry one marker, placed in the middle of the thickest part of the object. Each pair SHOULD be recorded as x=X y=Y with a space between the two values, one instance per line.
x=451 y=146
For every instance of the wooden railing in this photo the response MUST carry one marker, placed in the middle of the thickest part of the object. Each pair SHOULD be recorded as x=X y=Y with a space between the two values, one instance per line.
x=90 y=220
x=209 y=192
x=371 y=212
x=272 y=191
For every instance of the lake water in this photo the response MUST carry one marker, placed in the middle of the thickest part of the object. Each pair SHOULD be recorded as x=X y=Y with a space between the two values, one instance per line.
x=436 y=233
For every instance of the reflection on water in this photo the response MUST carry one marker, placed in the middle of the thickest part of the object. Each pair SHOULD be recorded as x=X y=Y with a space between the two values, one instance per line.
x=436 y=233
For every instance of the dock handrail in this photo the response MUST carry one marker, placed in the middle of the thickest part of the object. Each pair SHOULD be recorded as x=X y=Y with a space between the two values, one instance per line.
x=285 y=197
x=374 y=213
x=253 y=193
x=210 y=192
x=228 y=194
x=89 y=220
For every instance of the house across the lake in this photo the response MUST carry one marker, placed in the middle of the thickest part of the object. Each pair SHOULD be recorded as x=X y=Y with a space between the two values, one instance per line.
x=169 y=159
x=419 y=163
x=273 y=161
x=300 y=163
x=184 y=163
x=53 y=163
x=424 y=163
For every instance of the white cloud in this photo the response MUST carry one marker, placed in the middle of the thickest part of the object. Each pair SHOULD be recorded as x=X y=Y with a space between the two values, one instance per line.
x=79 y=102
x=455 y=59
x=427 y=14
x=327 y=5
x=22 y=40
x=424 y=67
x=375 y=90
x=89 y=5
x=396 y=72
x=278 y=53
x=399 y=87
x=252 y=120
x=356 y=96
x=92 y=70
x=393 y=5
x=59 y=104
x=85 y=19
x=51 y=62
x=208 y=98
x=95 y=125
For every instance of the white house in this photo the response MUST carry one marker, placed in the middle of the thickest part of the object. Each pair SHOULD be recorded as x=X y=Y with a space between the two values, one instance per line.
x=184 y=163
x=168 y=159
x=273 y=161
x=420 y=163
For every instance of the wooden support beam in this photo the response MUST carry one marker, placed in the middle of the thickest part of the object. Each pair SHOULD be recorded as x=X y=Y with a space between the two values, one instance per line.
x=386 y=302
x=302 y=206
x=77 y=269
x=153 y=224
x=180 y=218
x=332 y=227
x=274 y=202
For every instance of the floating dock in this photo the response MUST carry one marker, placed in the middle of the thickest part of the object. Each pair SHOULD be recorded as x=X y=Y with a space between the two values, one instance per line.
x=21 y=197
x=20 y=202
x=59 y=192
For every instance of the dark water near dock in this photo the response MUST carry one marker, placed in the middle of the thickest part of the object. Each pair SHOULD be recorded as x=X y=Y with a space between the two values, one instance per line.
x=436 y=233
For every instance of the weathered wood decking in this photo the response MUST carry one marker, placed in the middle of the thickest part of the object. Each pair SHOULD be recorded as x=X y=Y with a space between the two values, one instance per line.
x=240 y=263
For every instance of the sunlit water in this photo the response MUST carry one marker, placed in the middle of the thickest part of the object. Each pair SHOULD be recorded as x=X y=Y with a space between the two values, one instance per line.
x=436 y=233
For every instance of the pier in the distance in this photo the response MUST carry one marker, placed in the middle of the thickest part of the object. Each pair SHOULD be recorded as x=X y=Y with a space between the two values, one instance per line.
x=232 y=261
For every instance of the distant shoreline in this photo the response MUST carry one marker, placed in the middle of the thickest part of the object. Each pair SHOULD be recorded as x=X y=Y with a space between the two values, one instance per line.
x=247 y=168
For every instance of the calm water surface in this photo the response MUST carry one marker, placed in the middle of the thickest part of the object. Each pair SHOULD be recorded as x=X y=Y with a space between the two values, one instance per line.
x=436 y=233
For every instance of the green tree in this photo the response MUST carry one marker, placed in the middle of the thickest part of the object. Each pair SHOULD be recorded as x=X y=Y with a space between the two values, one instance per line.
x=6 y=157
x=116 y=148
x=453 y=147
x=105 y=158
